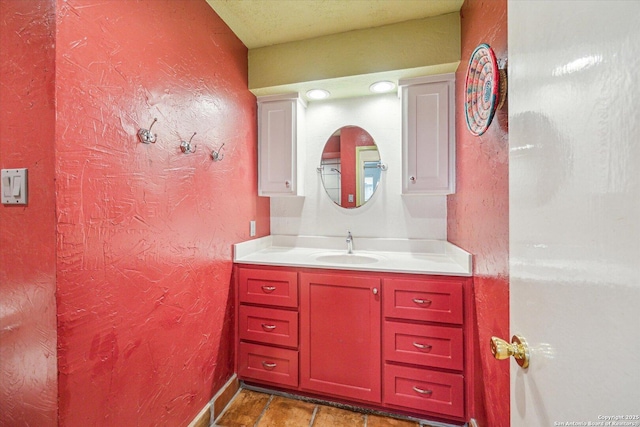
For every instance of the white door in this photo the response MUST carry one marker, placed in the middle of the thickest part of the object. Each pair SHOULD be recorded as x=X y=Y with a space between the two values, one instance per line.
x=574 y=132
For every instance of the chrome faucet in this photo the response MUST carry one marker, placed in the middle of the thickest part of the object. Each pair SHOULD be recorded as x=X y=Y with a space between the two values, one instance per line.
x=349 y=243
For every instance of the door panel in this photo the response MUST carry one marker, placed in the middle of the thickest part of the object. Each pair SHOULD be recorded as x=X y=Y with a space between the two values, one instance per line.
x=574 y=209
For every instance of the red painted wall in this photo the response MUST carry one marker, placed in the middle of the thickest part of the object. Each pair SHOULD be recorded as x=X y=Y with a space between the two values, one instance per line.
x=144 y=231
x=478 y=214
x=28 y=376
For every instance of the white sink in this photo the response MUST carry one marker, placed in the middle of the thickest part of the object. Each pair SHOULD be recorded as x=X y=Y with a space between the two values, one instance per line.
x=347 y=259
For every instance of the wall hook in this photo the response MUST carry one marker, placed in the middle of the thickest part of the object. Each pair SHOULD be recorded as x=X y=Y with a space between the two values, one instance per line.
x=146 y=136
x=186 y=146
x=216 y=154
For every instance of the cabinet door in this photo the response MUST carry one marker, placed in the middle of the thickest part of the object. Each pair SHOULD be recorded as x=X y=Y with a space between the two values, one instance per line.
x=277 y=147
x=428 y=138
x=340 y=335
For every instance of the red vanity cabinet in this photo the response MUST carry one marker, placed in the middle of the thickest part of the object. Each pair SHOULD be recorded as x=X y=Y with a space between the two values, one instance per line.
x=397 y=342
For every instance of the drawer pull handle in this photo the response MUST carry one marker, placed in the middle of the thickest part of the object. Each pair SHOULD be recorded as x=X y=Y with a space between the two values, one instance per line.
x=268 y=328
x=268 y=289
x=270 y=365
x=421 y=391
x=421 y=301
x=422 y=346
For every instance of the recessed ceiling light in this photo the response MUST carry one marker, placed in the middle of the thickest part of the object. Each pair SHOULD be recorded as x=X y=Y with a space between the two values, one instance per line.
x=318 y=94
x=382 y=86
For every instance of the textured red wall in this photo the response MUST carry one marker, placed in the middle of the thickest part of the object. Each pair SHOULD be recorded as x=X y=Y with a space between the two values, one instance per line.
x=28 y=376
x=478 y=214
x=145 y=231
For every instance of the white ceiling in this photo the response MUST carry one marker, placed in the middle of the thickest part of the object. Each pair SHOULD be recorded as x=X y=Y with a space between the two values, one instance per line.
x=261 y=23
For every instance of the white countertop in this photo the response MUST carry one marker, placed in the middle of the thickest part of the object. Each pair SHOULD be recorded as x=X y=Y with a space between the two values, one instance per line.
x=416 y=256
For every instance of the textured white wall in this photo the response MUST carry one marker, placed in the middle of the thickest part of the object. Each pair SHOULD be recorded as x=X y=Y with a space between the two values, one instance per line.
x=388 y=213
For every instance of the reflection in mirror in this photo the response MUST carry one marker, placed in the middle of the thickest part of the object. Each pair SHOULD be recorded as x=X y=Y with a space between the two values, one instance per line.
x=350 y=167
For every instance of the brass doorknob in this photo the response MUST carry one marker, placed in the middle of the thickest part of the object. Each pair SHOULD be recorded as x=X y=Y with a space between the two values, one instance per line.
x=518 y=349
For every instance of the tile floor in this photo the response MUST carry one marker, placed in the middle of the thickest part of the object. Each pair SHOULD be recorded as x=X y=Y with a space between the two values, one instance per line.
x=255 y=409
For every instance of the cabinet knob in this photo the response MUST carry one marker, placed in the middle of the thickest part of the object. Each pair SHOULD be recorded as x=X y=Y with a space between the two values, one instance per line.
x=287 y=184
x=412 y=179
x=375 y=291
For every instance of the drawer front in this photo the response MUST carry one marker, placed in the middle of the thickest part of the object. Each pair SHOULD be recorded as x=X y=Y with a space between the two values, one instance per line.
x=269 y=325
x=269 y=364
x=424 y=390
x=430 y=300
x=426 y=345
x=270 y=287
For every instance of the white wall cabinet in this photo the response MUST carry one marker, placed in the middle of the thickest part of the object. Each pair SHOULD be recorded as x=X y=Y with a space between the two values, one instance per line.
x=280 y=127
x=428 y=135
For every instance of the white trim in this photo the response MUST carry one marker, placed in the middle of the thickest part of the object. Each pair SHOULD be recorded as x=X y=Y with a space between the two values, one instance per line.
x=282 y=97
x=448 y=77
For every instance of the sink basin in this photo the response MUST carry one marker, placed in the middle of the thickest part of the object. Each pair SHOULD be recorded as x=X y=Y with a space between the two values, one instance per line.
x=347 y=259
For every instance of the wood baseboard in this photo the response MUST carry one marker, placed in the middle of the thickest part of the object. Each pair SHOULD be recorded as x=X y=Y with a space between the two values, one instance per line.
x=224 y=396
x=215 y=406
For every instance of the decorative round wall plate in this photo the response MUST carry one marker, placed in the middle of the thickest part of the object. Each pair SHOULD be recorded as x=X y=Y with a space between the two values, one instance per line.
x=481 y=89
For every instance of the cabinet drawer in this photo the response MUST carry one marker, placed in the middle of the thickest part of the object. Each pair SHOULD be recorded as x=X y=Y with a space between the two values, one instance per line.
x=426 y=345
x=430 y=300
x=271 y=287
x=269 y=325
x=424 y=390
x=269 y=364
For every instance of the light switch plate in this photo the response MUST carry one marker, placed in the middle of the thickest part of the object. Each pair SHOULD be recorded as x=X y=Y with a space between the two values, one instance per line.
x=14 y=186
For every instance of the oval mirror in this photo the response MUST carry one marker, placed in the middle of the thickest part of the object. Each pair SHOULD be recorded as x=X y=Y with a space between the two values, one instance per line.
x=350 y=167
